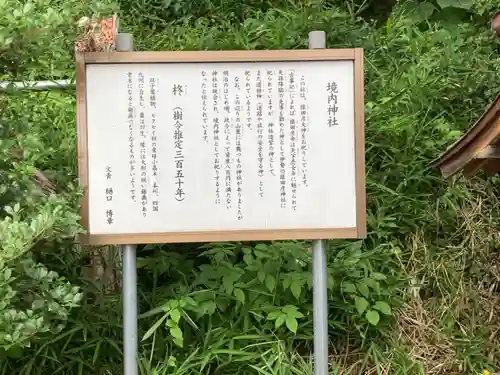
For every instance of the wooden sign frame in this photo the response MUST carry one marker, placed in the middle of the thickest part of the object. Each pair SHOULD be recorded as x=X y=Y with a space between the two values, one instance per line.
x=355 y=55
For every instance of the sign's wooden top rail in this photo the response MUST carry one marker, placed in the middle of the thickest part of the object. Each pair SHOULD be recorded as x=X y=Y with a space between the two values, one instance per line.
x=220 y=56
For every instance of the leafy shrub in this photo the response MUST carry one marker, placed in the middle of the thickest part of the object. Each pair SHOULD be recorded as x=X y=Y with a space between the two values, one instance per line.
x=35 y=221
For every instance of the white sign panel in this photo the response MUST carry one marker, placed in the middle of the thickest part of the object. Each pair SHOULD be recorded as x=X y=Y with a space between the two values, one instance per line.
x=220 y=146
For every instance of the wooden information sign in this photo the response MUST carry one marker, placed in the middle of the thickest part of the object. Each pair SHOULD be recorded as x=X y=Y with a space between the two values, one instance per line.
x=221 y=145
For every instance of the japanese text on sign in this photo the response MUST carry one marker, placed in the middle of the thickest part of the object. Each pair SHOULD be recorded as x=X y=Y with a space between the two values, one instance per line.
x=221 y=146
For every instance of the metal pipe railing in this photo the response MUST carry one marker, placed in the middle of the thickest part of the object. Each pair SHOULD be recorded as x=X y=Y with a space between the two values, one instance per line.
x=62 y=84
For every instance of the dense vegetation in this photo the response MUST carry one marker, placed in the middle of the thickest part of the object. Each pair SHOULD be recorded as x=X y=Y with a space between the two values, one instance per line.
x=419 y=295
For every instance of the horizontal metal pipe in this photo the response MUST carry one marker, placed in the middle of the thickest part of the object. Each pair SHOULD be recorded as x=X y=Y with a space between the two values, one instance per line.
x=37 y=85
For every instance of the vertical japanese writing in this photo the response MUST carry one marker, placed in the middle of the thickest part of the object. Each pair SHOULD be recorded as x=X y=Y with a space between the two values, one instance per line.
x=281 y=95
x=304 y=129
x=154 y=160
x=109 y=196
x=142 y=144
x=216 y=131
x=332 y=91
x=131 y=139
x=248 y=98
x=260 y=132
x=238 y=131
x=227 y=134
x=270 y=125
x=293 y=138
x=179 y=154
x=204 y=97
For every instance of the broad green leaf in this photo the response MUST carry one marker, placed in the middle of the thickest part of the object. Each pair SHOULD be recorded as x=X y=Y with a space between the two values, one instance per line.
x=286 y=282
x=219 y=257
x=228 y=281
x=292 y=311
x=239 y=294
x=464 y=4
x=372 y=284
x=176 y=332
x=361 y=304
x=175 y=315
x=383 y=307
x=373 y=317
x=261 y=275
x=348 y=287
x=296 y=288
x=363 y=289
x=378 y=276
x=292 y=324
x=424 y=11
x=418 y=11
x=248 y=259
x=273 y=315
x=209 y=307
x=179 y=342
x=270 y=283
x=188 y=301
x=279 y=322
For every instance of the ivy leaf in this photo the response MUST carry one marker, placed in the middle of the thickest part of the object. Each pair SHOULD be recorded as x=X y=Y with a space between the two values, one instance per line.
x=292 y=324
x=239 y=294
x=296 y=288
x=361 y=304
x=363 y=289
x=383 y=307
x=279 y=322
x=373 y=317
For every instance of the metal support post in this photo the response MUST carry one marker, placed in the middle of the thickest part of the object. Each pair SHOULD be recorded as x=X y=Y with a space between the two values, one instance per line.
x=130 y=365
x=317 y=39
x=129 y=310
x=320 y=306
x=124 y=43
